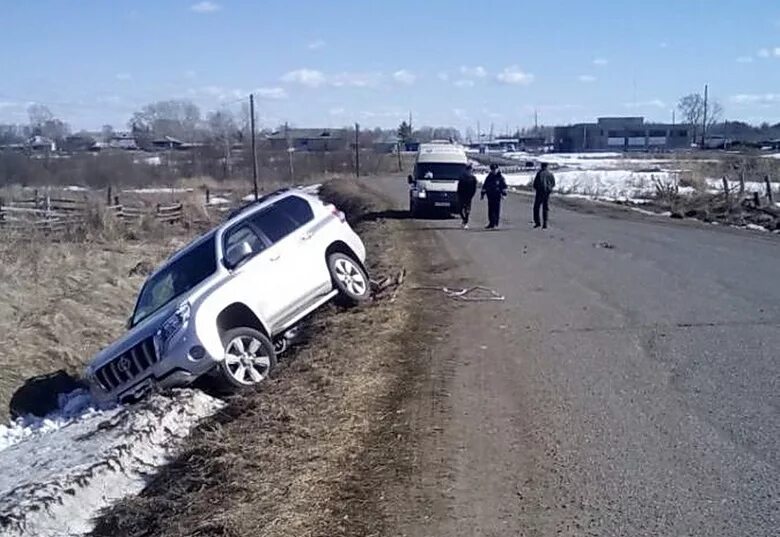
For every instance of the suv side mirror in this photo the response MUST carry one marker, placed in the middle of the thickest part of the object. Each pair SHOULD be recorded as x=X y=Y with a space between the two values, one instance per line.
x=410 y=180
x=237 y=253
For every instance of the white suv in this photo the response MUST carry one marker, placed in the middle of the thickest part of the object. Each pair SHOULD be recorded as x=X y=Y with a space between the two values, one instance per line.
x=223 y=304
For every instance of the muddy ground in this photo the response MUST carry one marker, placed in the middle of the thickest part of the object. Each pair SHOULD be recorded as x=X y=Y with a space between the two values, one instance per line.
x=325 y=446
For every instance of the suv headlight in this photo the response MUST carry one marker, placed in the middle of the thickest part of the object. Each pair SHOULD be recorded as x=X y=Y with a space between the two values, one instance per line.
x=172 y=326
x=421 y=193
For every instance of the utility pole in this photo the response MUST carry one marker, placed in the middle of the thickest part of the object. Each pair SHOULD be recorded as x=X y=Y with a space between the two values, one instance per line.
x=357 y=148
x=536 y=121
x=673 y=118
x=704 y=121
x=411 y=129
x=254 y=151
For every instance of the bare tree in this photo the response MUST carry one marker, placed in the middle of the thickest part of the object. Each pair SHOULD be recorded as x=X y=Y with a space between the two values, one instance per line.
x=43 y=123
x=692 y=109
x=223 y=131
x=178 y=119
x=106 y=133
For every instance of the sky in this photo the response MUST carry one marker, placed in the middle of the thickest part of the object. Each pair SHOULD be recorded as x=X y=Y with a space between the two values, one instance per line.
x=331 y=63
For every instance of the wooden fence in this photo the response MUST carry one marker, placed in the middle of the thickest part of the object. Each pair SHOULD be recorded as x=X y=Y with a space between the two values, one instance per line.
x=48 y=213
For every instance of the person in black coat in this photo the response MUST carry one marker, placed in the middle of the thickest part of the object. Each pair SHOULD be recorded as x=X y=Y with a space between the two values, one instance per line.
x=544 y=183
x=467 y=187
x=494 y=188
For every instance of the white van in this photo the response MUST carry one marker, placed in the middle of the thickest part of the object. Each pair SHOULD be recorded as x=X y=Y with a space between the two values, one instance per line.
x=434 y=181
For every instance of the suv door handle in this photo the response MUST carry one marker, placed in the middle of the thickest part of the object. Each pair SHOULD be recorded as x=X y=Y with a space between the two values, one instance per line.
x=306 y=236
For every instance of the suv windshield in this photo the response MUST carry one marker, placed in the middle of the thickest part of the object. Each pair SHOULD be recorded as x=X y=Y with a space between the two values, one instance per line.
x=442 y=171
x=176 y=279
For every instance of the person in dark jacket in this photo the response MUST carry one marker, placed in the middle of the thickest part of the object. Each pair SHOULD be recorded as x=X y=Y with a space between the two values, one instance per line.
x=467 y=187
x=494 y=188
x=544 y=183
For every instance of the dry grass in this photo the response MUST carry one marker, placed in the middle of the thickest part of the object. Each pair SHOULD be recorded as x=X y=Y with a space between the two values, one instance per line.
x=64 y=300
x=309 y=453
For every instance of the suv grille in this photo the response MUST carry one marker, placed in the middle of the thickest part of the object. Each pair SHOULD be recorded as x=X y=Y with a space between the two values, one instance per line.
x=127 y=366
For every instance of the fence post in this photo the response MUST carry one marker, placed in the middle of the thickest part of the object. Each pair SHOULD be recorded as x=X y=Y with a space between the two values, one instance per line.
x=768 y=189
x=742 y=183
x=2 y=215
x=35 y=198
x=108 y=195
x=726 y=191
x=208 y=196
x=756 y=199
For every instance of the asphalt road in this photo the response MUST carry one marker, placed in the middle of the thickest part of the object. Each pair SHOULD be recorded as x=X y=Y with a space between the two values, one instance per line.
x=629 y=384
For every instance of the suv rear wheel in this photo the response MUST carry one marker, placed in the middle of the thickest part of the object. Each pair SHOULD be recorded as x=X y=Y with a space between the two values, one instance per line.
x=249 y=358
x=349 y=278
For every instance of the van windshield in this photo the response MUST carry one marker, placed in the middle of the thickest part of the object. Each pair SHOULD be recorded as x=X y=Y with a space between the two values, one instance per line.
x=442 y=171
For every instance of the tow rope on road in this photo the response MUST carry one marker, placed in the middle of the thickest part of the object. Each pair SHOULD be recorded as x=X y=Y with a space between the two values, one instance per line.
x=477 y=293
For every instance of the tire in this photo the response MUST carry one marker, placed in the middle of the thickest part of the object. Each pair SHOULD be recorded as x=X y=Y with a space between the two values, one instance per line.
x=349 y=278
x=414 y=211
x=249 y=359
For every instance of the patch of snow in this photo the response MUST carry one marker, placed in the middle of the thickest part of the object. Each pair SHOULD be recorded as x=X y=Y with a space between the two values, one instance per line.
x=715 y=186
x=605 y=185
x=157 y=190
x=75 y=188
x=71 y=406
x=54 y=481
x=217 y=200
x=755 y=227
x=773 y=155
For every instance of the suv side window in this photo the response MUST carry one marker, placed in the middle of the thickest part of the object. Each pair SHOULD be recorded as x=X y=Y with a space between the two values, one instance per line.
x=241 y=234
x=298 y=209
x=283 y=217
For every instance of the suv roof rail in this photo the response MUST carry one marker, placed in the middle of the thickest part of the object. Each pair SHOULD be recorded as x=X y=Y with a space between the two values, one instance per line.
x=261 y=199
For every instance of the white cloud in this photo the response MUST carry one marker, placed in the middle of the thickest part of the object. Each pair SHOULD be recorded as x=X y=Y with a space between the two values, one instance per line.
x=316 y=45
x=443 y=76
x=745 y=59
x=274 y=94
x=760 y=99
x=515 y=76
x=663 y=44
x=776 y=52
x=314 y=78
x=355 y=80
x=473 y=72
x=587 y=79
x=653 y=103
x=338 y=111
x=190 y=74
x=205 y=7
x=405 y=77
x=123 y=76
x=460 y=113
x=601 y=62
x=7 y=104
x=311 y=78
x=465 y=83
x=763 y=53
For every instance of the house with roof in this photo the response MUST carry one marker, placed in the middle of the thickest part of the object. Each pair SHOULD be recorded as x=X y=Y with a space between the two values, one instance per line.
x=309 y=140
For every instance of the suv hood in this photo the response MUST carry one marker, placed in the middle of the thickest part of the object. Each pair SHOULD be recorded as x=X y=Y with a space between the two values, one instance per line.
x=149 y=326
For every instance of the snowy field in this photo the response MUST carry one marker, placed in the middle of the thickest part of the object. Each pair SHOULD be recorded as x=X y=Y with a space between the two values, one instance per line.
x=605 y=185
x=57 y=473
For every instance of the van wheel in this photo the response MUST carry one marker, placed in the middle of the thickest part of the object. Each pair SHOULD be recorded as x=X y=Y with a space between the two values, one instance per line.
x=350 y=279
x=249 y=358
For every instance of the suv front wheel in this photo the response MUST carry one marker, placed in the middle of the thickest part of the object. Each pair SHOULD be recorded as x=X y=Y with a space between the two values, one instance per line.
x=350 y=278
x=249 y=358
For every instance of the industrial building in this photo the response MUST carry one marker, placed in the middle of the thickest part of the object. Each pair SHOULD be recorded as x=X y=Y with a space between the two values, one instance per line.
x=620 y=134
